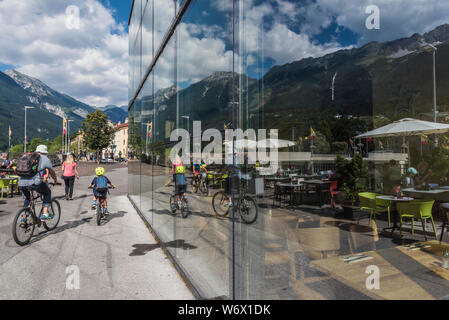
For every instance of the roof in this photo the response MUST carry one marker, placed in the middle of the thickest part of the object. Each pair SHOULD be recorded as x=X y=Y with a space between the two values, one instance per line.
x=120 y=126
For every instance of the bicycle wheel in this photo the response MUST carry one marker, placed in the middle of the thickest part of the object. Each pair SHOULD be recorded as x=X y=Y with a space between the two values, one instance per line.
x=99 y=213
x=248 y=210
x=204 y=187
x=55 y=211
x=184 y=209
x=172 y=204
x=195 y=186
x=220 y=203
x=23 y=226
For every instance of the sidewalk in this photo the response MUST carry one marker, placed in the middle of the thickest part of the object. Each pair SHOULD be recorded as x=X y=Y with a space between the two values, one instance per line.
x=118 y=260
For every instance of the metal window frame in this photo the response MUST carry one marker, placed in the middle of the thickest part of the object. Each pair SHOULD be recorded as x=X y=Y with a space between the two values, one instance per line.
x=185 y=5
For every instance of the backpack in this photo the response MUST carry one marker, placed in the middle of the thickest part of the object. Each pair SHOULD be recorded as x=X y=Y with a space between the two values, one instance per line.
x=180 y=179
x=102 y=184
x=27 y=165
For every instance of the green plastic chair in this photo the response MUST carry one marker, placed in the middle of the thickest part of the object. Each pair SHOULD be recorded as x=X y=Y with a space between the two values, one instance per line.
x=369 y=202
x=4 y=184
x=417 y=209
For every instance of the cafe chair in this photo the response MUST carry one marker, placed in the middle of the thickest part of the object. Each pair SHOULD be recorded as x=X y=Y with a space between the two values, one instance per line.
x=4 y=184
x=368 y=202
x=417 y=209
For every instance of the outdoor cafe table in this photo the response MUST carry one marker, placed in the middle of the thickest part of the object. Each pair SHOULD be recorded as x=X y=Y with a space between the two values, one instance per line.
x=275 y=179
x=405 y=272
x=394 y=199
x=438 y=194
x=292 y=187
x=319 y=186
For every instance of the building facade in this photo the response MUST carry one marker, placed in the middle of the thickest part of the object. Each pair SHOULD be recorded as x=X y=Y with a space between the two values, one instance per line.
x=313 y=76
x=121 y=140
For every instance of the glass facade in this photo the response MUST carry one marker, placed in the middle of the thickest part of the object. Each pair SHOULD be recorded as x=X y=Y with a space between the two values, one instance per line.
x=323 y=126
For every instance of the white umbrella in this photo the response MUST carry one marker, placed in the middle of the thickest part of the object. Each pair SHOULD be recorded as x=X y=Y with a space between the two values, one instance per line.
x=242 y=143
x=275 y=143
x=406 y=127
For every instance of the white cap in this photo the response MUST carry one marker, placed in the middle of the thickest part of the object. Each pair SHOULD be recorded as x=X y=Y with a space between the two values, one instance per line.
x=42 y=149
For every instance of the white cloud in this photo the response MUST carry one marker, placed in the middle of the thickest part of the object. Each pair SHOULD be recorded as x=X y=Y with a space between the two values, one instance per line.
x=90 y=63
x=399 y=18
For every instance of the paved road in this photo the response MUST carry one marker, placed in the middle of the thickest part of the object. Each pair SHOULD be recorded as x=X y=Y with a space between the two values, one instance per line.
x=118 y=260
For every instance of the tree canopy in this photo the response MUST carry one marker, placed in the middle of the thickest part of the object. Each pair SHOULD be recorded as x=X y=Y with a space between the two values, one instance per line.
x=97 y=134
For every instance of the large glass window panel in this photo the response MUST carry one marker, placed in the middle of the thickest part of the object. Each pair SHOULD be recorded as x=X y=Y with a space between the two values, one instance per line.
x=164 y=12
x=322 y=74
x=204 y=91
x=134 y=152
x=149 y=158
x=163 y=101
x=147 y=36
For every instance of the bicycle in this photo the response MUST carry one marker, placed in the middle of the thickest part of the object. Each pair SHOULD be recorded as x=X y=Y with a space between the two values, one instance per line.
x=204 y=188
x=179 y=202
x=26 y=219
x=196 y=183
x=100 y=209
x=246 y=205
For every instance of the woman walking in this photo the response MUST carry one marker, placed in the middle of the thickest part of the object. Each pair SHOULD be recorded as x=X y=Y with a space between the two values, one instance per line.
x=69 y=171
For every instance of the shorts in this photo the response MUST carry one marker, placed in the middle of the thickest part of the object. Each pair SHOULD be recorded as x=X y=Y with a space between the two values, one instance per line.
x=101 y=194
x=180 y=188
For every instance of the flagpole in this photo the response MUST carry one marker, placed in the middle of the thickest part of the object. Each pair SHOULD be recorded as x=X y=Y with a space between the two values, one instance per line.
x=9 y=140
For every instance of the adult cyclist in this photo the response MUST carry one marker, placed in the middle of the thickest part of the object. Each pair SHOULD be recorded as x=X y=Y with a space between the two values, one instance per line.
x=38 y=182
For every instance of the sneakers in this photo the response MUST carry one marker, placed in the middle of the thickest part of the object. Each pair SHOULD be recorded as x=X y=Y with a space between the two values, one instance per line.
x=94 y=205
x=106 y=212
x=46 y=216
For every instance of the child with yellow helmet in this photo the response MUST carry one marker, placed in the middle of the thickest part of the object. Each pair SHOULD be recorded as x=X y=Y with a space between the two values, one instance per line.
x=100 y=189
x=180 y=182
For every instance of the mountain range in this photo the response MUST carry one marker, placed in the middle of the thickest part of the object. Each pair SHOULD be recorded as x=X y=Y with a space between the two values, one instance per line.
x=390 y=80
x=18 y=90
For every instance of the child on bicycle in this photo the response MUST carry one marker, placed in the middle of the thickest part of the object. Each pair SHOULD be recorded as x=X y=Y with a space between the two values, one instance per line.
x=100 y=189
x=180 y=182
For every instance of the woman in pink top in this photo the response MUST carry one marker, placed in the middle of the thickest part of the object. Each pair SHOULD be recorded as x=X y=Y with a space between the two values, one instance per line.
x=69 y=171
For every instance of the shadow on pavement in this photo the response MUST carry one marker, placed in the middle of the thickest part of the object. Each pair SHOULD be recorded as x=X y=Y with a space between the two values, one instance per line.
x=67 y=226
x=143 y=249
x=119 y=214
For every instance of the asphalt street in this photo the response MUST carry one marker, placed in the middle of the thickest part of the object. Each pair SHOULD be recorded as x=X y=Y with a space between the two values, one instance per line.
x=79 y=260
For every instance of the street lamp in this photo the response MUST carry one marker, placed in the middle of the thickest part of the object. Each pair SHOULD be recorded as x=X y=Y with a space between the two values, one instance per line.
x=25 y=138
x=433 y=49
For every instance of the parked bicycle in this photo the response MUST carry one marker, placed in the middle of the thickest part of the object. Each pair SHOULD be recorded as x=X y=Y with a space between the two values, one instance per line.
x=246 y=205
x=26 y=219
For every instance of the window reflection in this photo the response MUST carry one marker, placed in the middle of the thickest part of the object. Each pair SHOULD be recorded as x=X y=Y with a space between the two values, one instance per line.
x=363 y=145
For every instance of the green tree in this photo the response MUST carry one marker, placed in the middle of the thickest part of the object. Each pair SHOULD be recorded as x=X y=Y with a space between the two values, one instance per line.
x=98 y=135
x=34 y=143
x=16 y=150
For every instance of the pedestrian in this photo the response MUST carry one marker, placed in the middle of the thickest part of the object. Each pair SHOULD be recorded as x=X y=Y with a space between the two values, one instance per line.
x=69 y=171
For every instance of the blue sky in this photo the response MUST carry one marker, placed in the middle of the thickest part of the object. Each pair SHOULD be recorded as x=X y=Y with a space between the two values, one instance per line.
x=91 y=63
x=121 y=9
